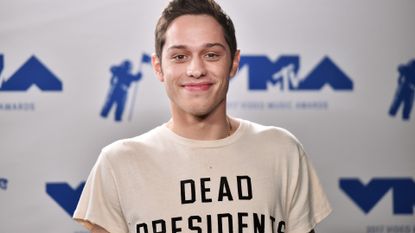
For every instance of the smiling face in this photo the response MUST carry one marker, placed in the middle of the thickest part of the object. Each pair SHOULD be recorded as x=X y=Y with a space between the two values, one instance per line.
x=195 y=66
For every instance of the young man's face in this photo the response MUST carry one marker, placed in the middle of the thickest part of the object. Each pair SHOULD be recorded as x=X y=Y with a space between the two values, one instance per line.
x=195 y=65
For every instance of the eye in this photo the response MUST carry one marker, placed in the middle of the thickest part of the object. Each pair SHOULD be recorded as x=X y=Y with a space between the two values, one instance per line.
x=179 y=58
x=211 y=56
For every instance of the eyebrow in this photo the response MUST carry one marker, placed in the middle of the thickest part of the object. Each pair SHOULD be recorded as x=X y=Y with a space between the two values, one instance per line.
x=207 y=45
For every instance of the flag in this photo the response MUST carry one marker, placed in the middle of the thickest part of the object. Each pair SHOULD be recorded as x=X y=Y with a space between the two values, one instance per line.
x=145 y=58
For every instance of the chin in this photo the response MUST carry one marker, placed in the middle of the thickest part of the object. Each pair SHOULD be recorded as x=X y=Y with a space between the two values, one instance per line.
x=200 y=109
x=200 y=113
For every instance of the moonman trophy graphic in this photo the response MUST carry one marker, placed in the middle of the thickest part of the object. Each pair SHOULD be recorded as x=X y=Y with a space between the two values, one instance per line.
x=405 y=91
x=120 y=82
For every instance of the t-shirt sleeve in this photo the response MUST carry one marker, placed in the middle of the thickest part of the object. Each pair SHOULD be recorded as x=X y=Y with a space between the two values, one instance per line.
x=99 y=202
x=308 y=203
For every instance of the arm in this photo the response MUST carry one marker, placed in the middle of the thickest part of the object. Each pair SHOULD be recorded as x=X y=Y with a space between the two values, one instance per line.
x=137 y=77
x=98 y=229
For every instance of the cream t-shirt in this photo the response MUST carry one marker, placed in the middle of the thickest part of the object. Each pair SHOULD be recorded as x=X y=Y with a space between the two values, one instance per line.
x=256 y=180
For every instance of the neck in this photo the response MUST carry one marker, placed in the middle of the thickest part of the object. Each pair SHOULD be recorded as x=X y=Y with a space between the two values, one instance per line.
x=214 y=126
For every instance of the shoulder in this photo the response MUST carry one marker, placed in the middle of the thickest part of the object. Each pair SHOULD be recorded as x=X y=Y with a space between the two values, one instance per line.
x=273 y=133
x=275 y=141
x=131 y=146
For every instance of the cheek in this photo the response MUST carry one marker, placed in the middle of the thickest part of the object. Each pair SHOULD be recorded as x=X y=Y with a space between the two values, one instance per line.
x=221 y=69
x=168 y=84
x=171 y=79
x=173 y=71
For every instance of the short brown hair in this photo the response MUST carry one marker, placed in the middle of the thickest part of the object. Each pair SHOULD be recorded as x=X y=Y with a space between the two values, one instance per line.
x=178 y=8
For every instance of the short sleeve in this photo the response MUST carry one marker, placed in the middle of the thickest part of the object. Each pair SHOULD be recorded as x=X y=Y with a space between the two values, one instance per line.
x=99 y=202
x=309 y=204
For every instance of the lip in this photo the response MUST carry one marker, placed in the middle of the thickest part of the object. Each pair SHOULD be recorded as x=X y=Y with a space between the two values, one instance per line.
x=202 y=86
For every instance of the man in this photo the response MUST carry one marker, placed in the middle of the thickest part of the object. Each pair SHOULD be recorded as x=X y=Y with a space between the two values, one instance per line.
x=202 y=171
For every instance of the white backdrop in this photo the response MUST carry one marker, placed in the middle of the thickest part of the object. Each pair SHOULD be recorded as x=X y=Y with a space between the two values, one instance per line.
x=50 y=139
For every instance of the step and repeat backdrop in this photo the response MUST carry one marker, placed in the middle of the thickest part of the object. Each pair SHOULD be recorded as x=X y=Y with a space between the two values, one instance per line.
x=340 y=75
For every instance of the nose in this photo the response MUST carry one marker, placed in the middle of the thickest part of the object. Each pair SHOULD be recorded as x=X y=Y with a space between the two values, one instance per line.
x=196 y=68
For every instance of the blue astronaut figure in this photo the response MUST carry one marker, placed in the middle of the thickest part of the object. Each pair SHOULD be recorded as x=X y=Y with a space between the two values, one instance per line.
x=405 y=91
x=120 y=82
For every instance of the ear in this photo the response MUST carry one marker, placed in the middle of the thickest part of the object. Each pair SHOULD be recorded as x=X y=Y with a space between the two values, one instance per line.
x=235 y=64
x=156 y=63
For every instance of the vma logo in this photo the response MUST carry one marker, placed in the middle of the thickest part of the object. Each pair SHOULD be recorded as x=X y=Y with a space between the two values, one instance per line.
x=3 y=183
x=367 y=196
x=32 y=72
x=120 y=83
x=65 y=196
x=284 y=73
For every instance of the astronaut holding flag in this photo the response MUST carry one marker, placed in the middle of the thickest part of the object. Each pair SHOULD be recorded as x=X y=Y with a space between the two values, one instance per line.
x=404 y=94
x=121 y=80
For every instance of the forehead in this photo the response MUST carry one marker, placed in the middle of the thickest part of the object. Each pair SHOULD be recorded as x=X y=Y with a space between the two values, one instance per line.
x=194 y=31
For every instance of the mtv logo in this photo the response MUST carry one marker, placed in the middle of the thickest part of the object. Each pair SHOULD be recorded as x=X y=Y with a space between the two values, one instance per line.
x=32 y=72
x=284 y=72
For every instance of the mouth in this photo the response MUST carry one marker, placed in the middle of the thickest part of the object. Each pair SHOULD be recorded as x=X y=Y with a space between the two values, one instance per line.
x=197 y=86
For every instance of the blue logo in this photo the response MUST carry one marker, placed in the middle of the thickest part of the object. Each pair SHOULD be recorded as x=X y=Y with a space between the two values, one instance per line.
x=3 y=183
x=284 y=73
x=32 y=72
x=404 y=94
x=64 y=195
x=367 y=196
x=120 y=83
